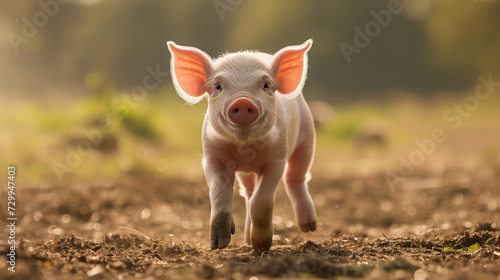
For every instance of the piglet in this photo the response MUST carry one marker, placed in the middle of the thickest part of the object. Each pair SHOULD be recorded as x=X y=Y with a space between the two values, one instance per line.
x=257 y=130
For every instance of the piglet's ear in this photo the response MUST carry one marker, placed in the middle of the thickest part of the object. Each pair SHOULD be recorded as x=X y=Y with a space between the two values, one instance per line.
x=189 y=68
x=290 y=66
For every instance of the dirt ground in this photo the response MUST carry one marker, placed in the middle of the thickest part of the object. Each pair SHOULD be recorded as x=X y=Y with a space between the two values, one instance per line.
x=441 y=225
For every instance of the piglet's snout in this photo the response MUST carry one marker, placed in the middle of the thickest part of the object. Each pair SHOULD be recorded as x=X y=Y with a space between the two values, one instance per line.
x=243 y=111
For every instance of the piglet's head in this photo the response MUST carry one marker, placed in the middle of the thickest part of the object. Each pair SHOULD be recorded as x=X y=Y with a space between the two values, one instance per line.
x=242 y=88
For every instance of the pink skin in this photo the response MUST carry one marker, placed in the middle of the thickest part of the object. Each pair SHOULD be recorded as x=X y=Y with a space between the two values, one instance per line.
x=258 y=130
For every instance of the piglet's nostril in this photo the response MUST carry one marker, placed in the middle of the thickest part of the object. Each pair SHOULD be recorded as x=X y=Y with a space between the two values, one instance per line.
x=236 y=110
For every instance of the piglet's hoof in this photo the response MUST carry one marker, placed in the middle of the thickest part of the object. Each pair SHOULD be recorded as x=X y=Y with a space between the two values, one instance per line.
x=221 y=229
x=262 y=238
x=306 y=227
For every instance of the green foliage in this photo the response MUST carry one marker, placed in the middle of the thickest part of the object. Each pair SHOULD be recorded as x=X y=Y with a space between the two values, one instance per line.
x=140 y=126
x=474 y=248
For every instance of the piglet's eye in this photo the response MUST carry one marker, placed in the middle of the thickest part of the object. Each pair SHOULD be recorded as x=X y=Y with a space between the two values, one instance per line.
x=266 y=85
x=218 y=87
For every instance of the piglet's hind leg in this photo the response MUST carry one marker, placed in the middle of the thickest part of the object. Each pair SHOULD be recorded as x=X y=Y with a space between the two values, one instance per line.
x=295 y=180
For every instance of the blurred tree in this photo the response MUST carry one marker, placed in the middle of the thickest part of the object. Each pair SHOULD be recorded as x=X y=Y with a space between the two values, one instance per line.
x=464 y=37
x=397 y=58
x=445 y=46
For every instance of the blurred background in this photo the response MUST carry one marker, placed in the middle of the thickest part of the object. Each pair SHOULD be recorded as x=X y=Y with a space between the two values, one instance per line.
x=86 y=92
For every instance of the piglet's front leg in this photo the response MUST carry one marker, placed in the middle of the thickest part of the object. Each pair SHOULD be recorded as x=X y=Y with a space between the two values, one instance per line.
x=262 y=206
x=220 y=179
